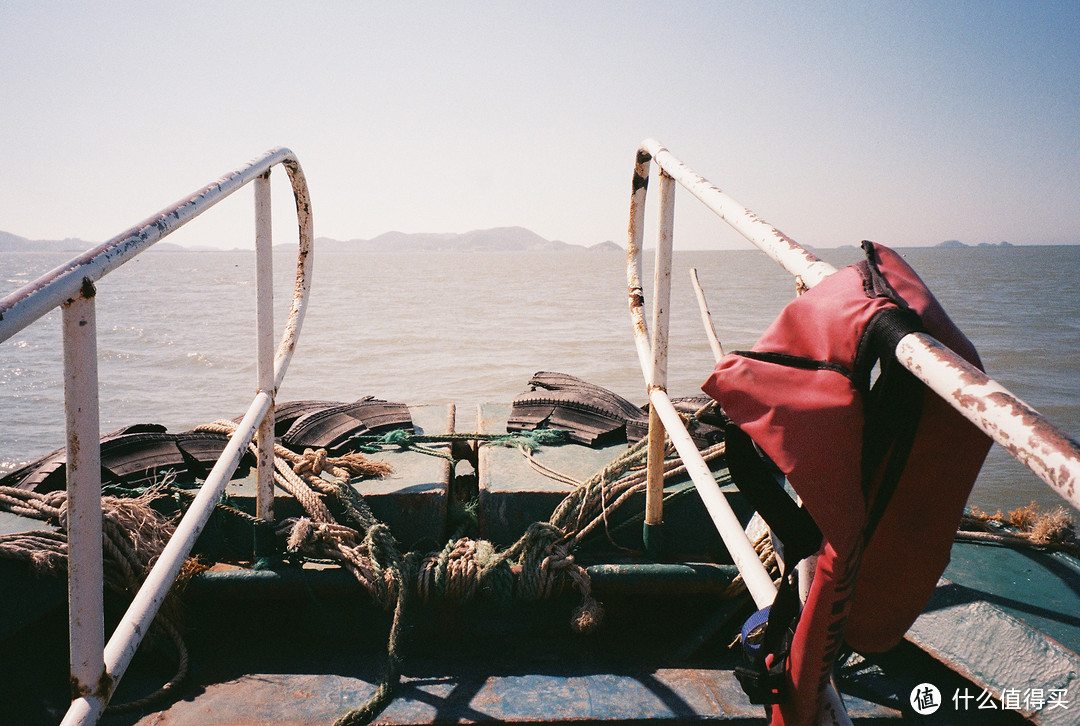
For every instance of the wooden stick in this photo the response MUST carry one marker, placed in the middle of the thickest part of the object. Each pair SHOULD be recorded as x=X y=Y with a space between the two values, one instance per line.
x=706 y=318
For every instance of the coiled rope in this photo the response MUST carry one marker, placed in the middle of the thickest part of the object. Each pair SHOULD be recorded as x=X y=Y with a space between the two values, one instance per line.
x=539 y=565
x=133 y=536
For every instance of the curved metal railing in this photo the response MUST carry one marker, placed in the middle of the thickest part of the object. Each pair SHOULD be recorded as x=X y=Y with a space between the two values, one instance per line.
x=96 y=667
x=1050 y=453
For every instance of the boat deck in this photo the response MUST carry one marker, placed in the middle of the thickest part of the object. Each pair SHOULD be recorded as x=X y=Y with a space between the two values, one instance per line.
x=290 y=644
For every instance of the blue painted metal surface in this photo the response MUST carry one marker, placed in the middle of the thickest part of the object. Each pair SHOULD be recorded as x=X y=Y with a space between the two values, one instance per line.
x=1009 y=620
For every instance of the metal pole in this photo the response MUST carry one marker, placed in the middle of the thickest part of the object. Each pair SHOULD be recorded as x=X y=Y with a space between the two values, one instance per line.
x=706 y=317
x=86 y=620
x=756 y=577
x=635 y=235
x=30 y=302
x=654 y=488
x=264 y=272
x=777 y=245
x=125 y=640
x=1050 y=453
x=305 y=259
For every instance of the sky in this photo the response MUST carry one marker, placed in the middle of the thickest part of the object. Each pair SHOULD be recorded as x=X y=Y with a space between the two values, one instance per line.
x=908 y=123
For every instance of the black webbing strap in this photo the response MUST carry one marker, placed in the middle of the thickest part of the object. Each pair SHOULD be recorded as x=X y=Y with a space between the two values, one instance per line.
x=892 y=411
x=761 y=484
x=893 y=406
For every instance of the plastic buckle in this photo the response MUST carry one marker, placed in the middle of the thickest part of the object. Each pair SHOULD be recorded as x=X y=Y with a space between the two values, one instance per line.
x=763 y=687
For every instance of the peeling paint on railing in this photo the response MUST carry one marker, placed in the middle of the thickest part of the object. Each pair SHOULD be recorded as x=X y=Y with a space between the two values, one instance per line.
x=1050 y=453
x=97 y=667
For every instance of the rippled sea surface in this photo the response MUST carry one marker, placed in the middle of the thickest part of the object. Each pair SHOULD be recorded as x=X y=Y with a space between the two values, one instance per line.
x=176 y=333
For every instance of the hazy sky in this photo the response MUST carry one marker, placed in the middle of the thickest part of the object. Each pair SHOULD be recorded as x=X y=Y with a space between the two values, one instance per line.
x=908 y=123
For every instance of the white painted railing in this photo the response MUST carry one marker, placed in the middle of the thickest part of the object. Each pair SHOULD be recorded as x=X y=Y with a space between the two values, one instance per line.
x=96 y=667
x=1047 y=451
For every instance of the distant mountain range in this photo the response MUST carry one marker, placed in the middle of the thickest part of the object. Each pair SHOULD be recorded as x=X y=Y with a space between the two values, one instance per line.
x=955 y=243
x=508 y=239
x=13 y=243
x=499 y=239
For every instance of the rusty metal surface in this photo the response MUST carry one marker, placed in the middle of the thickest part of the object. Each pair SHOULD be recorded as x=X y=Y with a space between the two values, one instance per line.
x=785 y=251
x=1050 y=453
x=94 y=674
x=294 y=699
x=84 y=518
x=634 y=244
x=667 y=695
x=28 y=303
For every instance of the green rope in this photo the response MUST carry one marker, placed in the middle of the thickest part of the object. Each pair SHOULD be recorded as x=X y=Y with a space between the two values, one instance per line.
x=404 y=439
x=355 y=506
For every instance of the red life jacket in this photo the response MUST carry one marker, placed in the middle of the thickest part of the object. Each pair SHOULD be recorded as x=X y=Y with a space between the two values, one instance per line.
x=801 y=395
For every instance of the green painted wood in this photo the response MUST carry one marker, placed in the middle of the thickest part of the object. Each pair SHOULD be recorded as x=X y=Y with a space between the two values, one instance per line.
x=1041 y=589
x=11 y=523
x=513 y=495
x=413 y=499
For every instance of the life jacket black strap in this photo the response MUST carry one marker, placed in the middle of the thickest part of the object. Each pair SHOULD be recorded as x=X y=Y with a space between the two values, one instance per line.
x=892 y=412
x=760 y=482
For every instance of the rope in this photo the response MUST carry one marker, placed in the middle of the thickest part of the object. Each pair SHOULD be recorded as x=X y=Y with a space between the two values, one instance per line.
x=405 y=440
x=548 y=471
x=1054 y=530
x=539 y=565
x=180 y=492
x=133 y=536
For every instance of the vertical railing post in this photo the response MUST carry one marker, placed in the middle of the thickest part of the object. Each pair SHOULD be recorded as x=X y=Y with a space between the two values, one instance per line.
x=86 y=626
x=264 y=270
x=654 y=490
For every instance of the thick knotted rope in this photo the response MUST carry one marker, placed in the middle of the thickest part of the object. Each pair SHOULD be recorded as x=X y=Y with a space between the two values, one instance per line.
x=464 y=569
x=546 y=563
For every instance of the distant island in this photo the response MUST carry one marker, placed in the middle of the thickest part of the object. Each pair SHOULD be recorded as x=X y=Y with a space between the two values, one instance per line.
x=499 y=239
x=14 y=243
x=956 y=244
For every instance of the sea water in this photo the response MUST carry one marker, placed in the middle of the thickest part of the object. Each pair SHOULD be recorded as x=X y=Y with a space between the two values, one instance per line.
x=176 y=339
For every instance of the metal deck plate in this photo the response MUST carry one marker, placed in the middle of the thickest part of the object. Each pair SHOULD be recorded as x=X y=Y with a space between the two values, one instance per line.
x=512 y=494
x=671 y=695
x=1002 y=611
